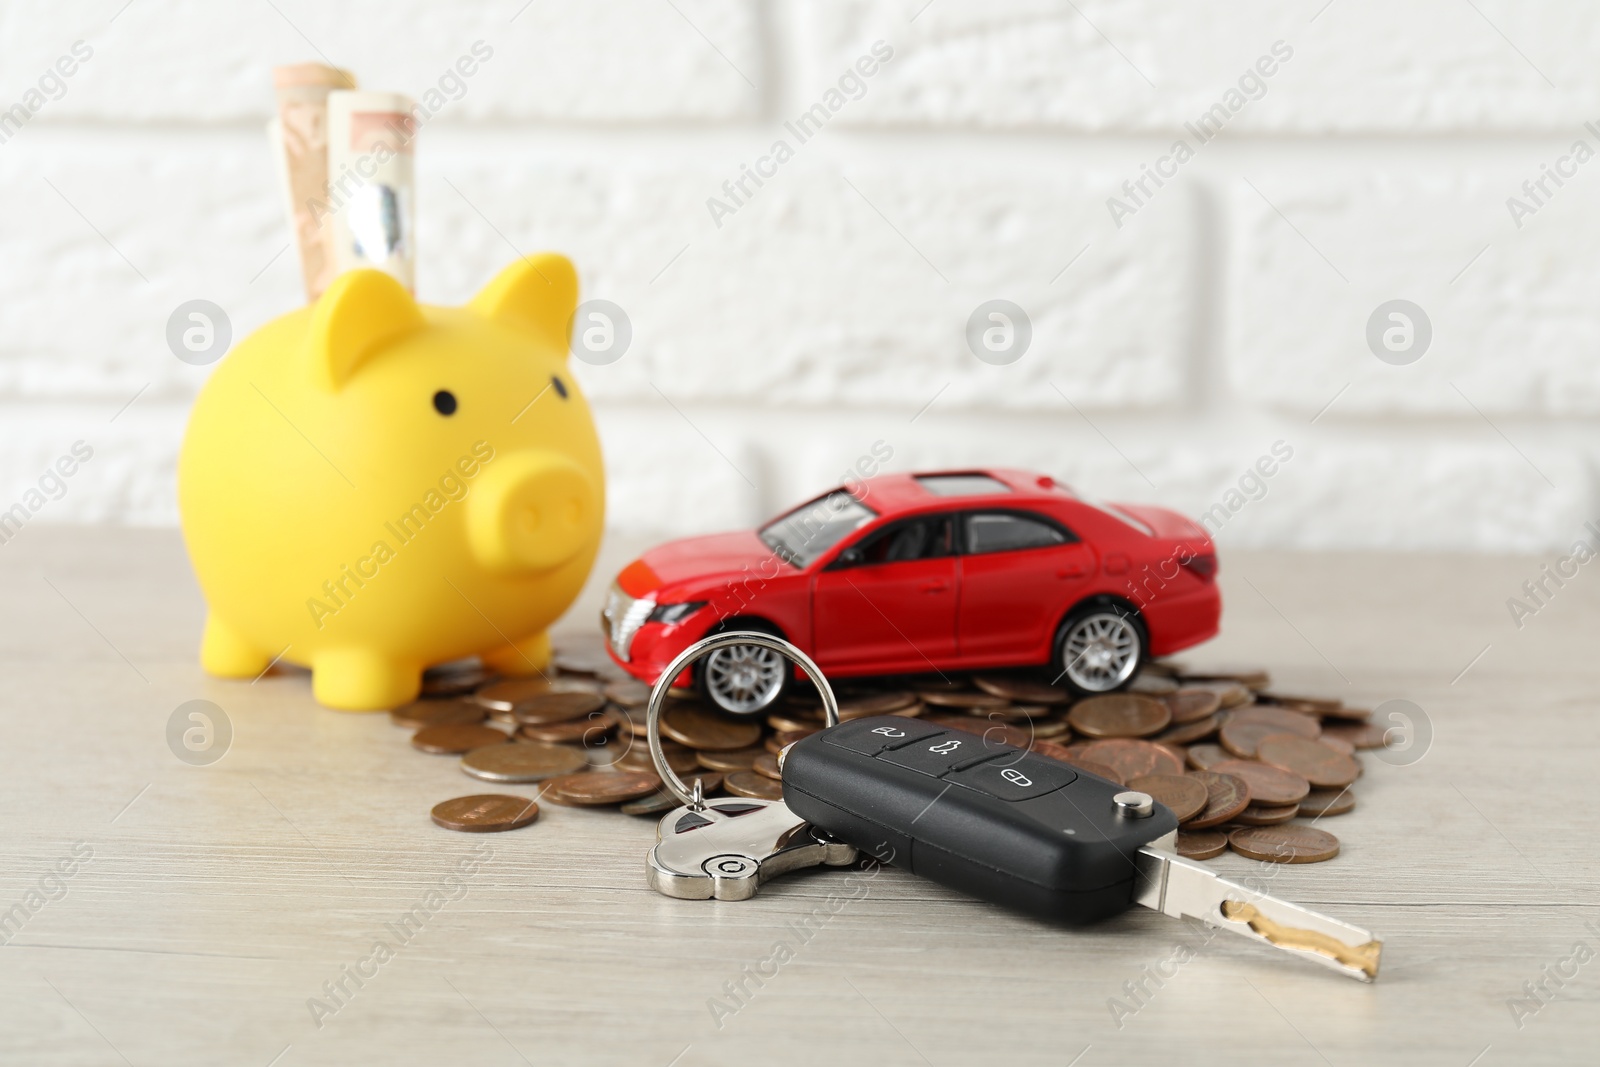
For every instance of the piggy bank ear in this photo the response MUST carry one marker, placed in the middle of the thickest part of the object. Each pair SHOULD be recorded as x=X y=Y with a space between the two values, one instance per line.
x=362 y=311
x=537 y=294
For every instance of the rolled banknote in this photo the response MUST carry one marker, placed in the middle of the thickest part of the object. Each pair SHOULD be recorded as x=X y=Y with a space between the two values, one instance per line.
x=300 y=137
x=371 y=186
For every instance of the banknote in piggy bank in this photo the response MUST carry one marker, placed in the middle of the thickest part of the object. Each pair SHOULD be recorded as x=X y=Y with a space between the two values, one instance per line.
x=370 y=486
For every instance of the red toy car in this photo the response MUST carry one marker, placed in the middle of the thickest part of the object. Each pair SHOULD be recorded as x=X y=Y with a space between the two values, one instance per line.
x=920 y=574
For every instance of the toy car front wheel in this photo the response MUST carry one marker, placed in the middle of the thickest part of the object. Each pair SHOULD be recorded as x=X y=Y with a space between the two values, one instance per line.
x=1100 y=648
x=743 y=679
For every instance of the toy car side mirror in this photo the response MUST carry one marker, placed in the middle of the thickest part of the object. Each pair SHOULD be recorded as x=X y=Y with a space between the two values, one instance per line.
x=850 y=557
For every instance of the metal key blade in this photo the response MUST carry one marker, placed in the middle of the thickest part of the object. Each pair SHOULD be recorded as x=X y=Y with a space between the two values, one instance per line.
x=1174 y=886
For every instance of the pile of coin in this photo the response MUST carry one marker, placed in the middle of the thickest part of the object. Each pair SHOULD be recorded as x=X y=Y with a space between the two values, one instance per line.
x=1236 y=761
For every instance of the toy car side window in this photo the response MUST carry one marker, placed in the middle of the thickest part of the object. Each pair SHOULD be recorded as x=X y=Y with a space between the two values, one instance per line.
x=918 y=539
x=1008 y=531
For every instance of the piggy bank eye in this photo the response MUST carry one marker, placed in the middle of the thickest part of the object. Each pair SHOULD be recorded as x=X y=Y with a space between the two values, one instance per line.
x=561 y=386
x=444 y=402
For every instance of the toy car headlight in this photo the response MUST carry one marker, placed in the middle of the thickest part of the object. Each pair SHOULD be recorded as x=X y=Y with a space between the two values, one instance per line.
x=622 y=616
x=674 y=613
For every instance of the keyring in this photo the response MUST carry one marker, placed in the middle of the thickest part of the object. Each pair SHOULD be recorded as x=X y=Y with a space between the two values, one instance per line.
x=658 y=696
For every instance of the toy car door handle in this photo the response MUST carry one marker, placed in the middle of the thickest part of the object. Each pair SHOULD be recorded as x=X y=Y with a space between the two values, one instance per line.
x=935 y=587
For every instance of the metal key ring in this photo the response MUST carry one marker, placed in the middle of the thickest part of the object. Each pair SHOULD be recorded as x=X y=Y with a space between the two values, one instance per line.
x=658 y=696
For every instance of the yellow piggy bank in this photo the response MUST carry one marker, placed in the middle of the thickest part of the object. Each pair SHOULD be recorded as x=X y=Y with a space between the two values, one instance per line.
x=369 y=486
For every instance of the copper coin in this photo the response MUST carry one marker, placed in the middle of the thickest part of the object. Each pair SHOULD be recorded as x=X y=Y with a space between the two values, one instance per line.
x=1350 y=714
x=1359 y=734
x=629 y=692
x=1192 y=704
x=796 y=719
x=1309 y=705
x=661 y=800
x=1190 y=732
x=525 y=761
x=606 y=787
x=1288 y=722
x=589 y=730
x=1285 y=844
x=738 y=759
x=485 y=813
x=448 y=740
x=1130 y=758
x=993 y=733
x=1249 y=677
x=1318 y=764
x=1068 y=756
x=637 y=758
x=783 y=738
x=1244 y=730
x=702 y=728
x=1099 y=770
x=1010 y=713
x=508 y=693
x=1021 y=690
x=1184 y=795
x=1226 y=796
x=1230 y=694
x=1201 y=844
x=860 y=707
x=1155 y=685
x=555 y=707
x=1265 y=815
x=630 y=721
x=751 y=784
x=1205 y=757
x=958 y=699
x=1054 y=750
x=1323 y=802
x=767 y=764
x=454 y=681
x=1048 y=729
x=1269 y=786
x=1119 y=715
x=457 y=712
x=1338 y=744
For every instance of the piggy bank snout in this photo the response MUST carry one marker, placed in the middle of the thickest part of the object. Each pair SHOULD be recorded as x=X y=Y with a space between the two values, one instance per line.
x=532 y=511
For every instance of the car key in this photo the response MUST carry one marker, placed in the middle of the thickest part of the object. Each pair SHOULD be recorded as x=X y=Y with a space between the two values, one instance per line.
x=1033 y=833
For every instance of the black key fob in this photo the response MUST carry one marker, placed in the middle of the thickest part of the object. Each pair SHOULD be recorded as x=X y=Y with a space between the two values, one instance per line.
x=990 y=819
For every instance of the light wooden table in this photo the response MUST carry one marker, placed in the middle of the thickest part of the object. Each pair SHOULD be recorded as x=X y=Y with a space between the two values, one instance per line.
x=218 y=900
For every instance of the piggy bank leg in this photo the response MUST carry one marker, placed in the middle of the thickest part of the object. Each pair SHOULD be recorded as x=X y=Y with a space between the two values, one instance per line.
x=357 y=679
x=531 y=655
x=226 y=654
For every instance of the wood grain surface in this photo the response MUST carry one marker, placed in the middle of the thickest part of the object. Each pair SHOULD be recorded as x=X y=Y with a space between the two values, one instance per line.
x=216 y=901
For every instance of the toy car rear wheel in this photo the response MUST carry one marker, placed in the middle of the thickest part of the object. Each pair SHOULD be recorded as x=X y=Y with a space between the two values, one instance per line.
x=743 y=679
x=1100 y=648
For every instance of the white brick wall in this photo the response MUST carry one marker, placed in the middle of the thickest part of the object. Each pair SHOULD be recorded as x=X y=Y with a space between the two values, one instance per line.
x=829 y=311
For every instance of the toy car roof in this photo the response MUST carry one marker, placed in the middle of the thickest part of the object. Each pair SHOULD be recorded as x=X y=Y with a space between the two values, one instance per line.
x=985 y=487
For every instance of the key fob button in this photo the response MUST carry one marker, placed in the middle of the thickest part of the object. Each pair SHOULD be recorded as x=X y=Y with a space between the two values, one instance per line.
x=936 y=754
x=871 y=736
x=1015 y=779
